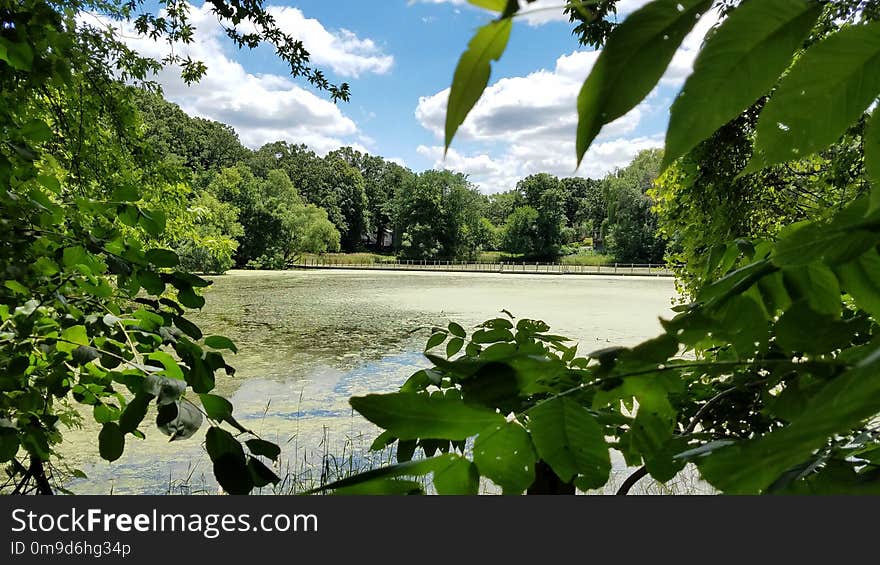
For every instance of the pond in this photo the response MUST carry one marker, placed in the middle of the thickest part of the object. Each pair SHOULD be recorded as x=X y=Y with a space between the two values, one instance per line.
x=309 y=340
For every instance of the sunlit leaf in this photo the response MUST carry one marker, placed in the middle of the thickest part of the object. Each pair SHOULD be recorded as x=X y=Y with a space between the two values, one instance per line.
x=743 y=59
x=473 y=70
x=570 y=440
x=503 y=452
x=632 y=62
x=840 y=75
x=412 y=416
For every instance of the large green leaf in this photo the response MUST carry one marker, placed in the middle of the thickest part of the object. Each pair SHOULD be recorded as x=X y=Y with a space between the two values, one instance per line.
x=380 y=476
x=412 y=416
x=861 y=280
x=872 y=158
x=752 y=466
x=473 y=70
x=230 y=465
x=742 y=60
x=134 y=413
x=841 y=76
x=459 y=476
x=494 y=5
x=111 y=442
x=570 y=440
x=633 y=60
x=504 y=453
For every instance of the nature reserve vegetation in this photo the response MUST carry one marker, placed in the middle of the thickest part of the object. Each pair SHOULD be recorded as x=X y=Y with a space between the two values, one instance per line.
x=765 y=200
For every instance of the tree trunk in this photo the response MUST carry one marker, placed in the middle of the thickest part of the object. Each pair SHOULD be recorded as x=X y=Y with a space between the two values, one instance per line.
x=547 y=482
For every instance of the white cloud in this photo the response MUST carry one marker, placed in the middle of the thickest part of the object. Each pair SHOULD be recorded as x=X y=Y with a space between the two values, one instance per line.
x=263 y=107
x=343 y=51
x=528 y=124
x=543 y=11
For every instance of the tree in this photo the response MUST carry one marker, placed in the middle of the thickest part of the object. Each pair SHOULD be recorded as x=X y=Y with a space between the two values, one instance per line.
x=521 y=232
x=544 y=193
x=382 y=181
x=92 y=302
x=631 y=224
x=438 y=216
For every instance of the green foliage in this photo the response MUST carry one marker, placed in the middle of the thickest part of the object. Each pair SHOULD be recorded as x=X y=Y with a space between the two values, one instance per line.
x=472 y=73
x=743 y=59
x=95 y=202
x=439 y=215
x=768 y=380
x=631 y=64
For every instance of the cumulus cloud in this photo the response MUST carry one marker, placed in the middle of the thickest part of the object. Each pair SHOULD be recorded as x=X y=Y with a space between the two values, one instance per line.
x=343 y=51
x=528 y=124
x=543 y=11
x=264 y=107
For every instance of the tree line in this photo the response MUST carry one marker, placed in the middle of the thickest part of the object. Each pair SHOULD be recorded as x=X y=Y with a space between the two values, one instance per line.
x=262 y=208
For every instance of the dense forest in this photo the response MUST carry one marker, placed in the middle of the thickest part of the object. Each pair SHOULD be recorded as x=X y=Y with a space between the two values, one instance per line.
x=262 y=208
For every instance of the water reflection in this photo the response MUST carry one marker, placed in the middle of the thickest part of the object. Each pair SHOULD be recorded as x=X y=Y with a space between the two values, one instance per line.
x=310 y=340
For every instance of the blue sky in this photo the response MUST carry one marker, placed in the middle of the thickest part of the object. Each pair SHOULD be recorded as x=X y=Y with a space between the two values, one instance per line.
x=399 y=57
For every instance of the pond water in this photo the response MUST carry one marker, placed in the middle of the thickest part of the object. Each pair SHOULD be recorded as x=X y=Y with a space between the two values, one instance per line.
x=309 y=340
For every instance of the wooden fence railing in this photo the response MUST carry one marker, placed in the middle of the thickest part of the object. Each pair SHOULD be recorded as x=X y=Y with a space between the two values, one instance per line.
x=500 y=267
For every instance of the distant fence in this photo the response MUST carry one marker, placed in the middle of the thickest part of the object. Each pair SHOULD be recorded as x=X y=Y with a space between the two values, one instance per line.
x=533 y=267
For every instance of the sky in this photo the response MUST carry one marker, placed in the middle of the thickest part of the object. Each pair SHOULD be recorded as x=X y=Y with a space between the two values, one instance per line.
x=399 y=57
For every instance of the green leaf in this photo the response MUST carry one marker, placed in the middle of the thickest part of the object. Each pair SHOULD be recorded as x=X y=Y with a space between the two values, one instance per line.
x=459 y=477
x=220 y=342
x=454 y=346
x=803 y=330
x=871 y=141
x=264 y=448
x=188 y=297
x=127 y=193
x=36 y=131
x=73 y=337
x=570 y=440
x=217 y=407
x=435 y=340
x=409 y=469
x=180 y=420
x=134 y=413
x=494 y=5
x=187 y=327
x=412 y=416
x=503 y=452
x=861 y=280
x=492 y=336
x=633 y=60
x=18 y=54
x=841 y=75
x=260 y=474
x=843 y=404
x=8 y=444
x=742 y=59
x=817 y=284
x=152 y=282
x=473 y=70
x=230 y=466
x=111 y=441
x=457 y=330
x=153 y=222
x=162 y=258
x=103 y=413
